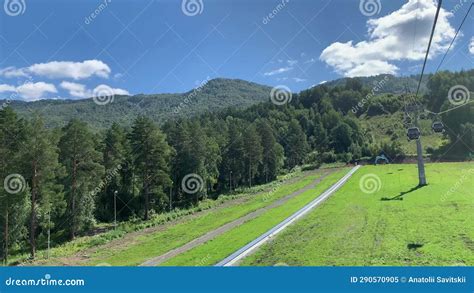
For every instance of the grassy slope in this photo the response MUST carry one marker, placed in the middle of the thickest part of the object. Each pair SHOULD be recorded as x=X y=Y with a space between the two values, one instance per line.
x=382 y=127
x=223 y=245
x=149 y=246
x=82 y=243
x=354 y=228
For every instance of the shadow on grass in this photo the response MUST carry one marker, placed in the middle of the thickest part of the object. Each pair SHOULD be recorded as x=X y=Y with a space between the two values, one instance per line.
x=400 y=196
x=414 y=246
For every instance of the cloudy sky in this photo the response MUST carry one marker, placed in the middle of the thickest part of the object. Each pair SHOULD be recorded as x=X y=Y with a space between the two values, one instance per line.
x=77 y=49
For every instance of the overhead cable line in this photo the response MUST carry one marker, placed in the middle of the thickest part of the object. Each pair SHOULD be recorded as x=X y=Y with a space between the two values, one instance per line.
x=457 y=32
x=440 y=2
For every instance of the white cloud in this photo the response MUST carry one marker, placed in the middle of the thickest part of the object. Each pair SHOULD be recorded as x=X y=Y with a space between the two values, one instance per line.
x=297 y=79
x=33 y=91
x=372 y=67
x=323 y=82
x=61 y=69
x=104 y=89
x=471 y=46
x=80 y=90
x=401 y=35
x=292 y=62
x=13 y=72
x=7 y=88
x=75 y=89
x=118 y=75
x=75 y=70
x=278 y=71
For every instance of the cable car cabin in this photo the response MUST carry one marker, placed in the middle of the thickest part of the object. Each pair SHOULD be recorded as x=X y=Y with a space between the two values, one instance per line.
x=413 y=133
x=438 y=127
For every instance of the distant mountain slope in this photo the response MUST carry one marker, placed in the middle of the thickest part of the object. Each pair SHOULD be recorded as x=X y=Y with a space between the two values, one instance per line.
x=214 y=95
x=393 y=84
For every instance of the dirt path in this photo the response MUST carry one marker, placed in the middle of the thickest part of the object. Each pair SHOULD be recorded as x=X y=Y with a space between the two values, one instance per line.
x=82 y=257
x=229 y=226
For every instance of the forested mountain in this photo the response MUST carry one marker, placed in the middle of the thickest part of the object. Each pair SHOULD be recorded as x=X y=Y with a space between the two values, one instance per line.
x=386 y=83
x=212 y=95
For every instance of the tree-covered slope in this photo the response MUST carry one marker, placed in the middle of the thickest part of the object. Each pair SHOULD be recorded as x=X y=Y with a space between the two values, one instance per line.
x=214 y=95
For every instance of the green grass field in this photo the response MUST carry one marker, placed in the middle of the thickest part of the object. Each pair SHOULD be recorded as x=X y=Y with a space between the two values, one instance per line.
x=173 y=236
x=432 y=225
x=217 y=249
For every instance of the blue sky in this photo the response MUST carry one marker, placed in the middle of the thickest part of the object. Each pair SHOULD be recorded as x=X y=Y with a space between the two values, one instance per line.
x=75 y=49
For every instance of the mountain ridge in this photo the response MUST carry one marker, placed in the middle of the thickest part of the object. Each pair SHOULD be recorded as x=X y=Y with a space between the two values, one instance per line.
x=211 y=95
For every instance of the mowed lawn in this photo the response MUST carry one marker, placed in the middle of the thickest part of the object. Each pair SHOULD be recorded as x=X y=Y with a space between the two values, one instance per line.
x=432 y=225
x=155 y=244
x=220 y=247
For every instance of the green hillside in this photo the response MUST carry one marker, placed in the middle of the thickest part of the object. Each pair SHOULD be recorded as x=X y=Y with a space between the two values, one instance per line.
x=214 y=95
x=392 y=84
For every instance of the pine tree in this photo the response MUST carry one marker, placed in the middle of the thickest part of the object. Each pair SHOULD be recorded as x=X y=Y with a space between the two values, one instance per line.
x=272 y=157
x=252 y=152
x=151 y=157
x=296 y=146
x=117 y=164
x=40 y=156
x=14 y=191
x=82 y=162
x=233 y=165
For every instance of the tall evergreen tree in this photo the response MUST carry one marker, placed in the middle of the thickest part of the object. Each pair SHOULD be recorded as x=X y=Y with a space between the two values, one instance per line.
x=83 y=172
x=273 y=153
x=252 y=152
x=117 y=164
x=233 y=165
x=40 y=156
x=14 y=191
x=296 y=145
x=151 y=156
